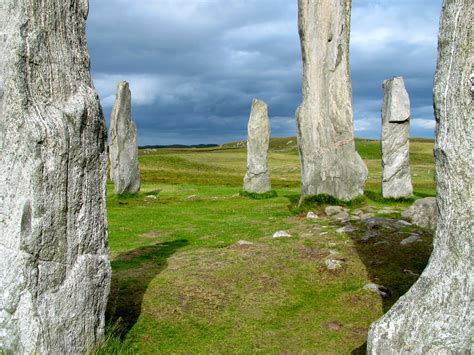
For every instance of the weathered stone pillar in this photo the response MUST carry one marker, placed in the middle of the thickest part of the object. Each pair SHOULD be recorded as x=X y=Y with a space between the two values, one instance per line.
x=124 y=169
x=257 y=178
x=435 y=316
x=396 y=176
x=329 y=161
x=54 y=264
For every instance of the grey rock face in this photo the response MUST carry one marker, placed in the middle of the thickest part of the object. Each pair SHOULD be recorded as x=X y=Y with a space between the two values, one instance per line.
x=54 y=264
x=257 y=178
x=329 y=161
x=435 y=316
x=423 y=213
x=123 y=150
x=396 y=177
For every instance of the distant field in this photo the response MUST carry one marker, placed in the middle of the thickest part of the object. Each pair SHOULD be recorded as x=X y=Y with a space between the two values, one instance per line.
x=181 y=284
x=227 y=165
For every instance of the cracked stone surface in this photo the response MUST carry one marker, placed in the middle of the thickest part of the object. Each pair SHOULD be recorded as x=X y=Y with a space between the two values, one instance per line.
x=396 y=176
x=123 y=149
x=257 y=178
x=54 y=264
x=435 y=315
x=330 y=163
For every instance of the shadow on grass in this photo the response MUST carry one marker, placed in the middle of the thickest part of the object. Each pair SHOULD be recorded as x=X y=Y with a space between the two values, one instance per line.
x=394 y=266
x=132 y=271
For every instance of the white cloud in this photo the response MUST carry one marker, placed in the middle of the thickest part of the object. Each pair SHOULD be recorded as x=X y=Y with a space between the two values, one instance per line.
x=423 y=123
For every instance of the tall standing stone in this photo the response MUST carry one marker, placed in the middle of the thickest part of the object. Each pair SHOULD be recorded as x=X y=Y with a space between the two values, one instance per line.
x=435 y=316
x=257 y=178
x=396 y=176
x=124 y=169
x=329 y=161
x=54 y=264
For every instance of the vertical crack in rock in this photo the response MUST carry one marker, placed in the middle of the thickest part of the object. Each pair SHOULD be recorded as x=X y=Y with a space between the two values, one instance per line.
x=124 y=169
x=54 y=265
x=396 y=176
x=257 y=178
x=329 y=161
x=435 y=315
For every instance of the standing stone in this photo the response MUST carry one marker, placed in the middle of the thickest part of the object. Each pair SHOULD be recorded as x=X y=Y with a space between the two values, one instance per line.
x=435 y=316
x=124 y=170
x=329 y=161
x=257 y=178
x=396 y=176
x=54 y=264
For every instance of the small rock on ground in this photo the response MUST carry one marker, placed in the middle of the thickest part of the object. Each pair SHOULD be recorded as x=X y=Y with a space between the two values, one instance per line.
x=342 y=216
x=244 y=242
x=151 y=197
x=332 y=210
x=333 y=264
x=346 y=229
x=381 y=290
x=412 y=239
x=312 y=215
x=281 y=234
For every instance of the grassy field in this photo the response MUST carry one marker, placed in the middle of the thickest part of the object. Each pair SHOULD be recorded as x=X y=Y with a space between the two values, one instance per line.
x=182 y=283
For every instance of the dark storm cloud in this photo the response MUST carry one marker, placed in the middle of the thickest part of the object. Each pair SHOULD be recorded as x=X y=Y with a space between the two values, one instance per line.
x=195 y=65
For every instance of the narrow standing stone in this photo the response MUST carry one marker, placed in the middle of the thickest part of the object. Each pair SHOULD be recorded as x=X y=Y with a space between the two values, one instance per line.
x=257 y=178
x=436 y=314
x=124 y=169
x=54 y=264
x=396 y=176
x=329 y=161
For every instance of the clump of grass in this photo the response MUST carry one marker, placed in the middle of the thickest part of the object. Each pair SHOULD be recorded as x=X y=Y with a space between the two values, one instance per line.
x=257 y=196
x=112 y=342
x=324 y=200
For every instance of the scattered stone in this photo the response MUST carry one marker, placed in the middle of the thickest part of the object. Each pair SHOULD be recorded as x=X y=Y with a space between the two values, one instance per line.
x=366 y=216
x=54 y=260
x=357 y=212
x=369 y=209
x=436 y=315
x=332 y=210
x=335 y=326
x=396 y=177
x=332 y=244
x=342 y=216
x=243 y=243
x=423 y=213
x=355 y=218
x=333 y=264
x=151 y=197
x=403 y=223
x=380 y=290
x=371 y=233
x=123 y=149
x=191 y=197
x=312 y=215
x=329 y=161
x=346 y=229
x=323 y=233
x=257 y=179
x=333 y=252
x=412 y=239
x=282 y=234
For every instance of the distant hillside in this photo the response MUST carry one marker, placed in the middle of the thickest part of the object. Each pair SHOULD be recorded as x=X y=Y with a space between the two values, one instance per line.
x=178 y=146
x=288 y=144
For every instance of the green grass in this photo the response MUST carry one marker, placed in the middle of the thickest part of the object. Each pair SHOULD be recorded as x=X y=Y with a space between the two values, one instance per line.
x=181 y=284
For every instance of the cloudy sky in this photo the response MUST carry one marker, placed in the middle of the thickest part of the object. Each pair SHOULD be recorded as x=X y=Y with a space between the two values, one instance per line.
x=195 y=65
